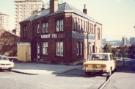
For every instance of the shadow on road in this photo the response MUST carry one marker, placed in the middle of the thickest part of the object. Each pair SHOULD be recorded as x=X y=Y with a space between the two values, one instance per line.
x=127 y=66
x=78 y=73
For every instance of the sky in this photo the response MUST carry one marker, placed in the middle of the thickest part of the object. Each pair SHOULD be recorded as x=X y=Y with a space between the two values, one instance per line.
x=116 y=16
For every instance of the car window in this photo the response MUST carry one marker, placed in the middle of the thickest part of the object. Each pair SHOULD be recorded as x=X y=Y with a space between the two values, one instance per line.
x=99 y=57
x=4 y=58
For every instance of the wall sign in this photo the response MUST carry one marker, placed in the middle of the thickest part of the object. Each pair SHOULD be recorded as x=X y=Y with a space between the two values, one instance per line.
x=49 y=36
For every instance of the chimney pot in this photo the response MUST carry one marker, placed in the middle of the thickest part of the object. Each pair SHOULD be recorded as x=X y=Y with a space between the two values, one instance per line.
x=84 y=9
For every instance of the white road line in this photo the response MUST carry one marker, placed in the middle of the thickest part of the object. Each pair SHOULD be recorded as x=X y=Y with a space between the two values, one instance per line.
x=105 y=83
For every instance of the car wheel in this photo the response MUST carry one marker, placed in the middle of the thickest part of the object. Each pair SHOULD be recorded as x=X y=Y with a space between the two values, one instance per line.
x=109 y=73
x=10 y=69
x=87 y=73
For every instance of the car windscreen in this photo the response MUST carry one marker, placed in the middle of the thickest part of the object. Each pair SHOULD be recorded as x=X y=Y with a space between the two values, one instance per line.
x=3 y=58
x=99 y=57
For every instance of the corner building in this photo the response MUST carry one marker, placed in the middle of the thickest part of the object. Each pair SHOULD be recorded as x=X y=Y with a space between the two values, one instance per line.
x=61 y=34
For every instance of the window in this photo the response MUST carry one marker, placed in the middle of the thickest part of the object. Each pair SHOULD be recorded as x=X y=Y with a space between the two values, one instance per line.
x=45 y=28
x=45 y=48
x=74 y=23
x=38 y=28
x=59 y=25
x=77 y=46
x=38 y=49
x=99 y=33
x=81 y=48
x=59 y=48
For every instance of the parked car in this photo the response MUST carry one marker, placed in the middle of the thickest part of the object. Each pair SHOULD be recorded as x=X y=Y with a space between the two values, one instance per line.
x=100 y=62
x=5 y=63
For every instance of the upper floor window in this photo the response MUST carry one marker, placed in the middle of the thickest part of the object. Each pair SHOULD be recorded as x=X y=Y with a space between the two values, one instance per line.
x=99 y=34
x=45 y=48
x=59 y=25
x=59 y=49
x=45 y=28
x=92 y=29
x=74 y=23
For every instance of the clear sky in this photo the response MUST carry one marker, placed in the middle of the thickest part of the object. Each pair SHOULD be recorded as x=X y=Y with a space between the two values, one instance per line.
x=117 y=16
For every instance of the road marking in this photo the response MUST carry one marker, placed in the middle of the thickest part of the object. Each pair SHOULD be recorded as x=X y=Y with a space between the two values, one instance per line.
x=105 y=82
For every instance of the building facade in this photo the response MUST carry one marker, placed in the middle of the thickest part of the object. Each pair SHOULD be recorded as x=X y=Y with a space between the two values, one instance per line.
x=4 y=21
x=61 y=34
x=24 y=9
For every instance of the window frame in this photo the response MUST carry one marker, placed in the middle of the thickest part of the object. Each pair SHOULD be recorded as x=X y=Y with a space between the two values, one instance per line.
x=45 y=48
x=59 y=25
x=45 y=27
x=60 y=48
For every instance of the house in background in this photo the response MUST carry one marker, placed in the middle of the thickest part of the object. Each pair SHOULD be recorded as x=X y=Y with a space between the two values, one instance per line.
x=61 y=34
x=8 y=43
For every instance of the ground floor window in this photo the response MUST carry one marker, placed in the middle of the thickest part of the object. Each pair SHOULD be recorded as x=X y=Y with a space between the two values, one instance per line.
x=79 y=47
x=45 y=48
x=59 y=49
x=38 y=50
x=89 y=49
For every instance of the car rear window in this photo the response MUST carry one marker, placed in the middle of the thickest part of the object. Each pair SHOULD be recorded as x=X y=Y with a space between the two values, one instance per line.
x=99 y=57
x=3 y=58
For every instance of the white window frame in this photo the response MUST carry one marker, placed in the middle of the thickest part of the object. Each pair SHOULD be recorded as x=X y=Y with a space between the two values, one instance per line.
x=45 y=27
x=59 y=25
x=45 y=48
x=59 y=48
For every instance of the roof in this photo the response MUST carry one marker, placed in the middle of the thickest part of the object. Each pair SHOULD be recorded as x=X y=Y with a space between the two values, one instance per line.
x=64 y=7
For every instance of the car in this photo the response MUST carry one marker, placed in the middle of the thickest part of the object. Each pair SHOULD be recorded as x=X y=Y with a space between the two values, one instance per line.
x=100 y=62
x=5 y=63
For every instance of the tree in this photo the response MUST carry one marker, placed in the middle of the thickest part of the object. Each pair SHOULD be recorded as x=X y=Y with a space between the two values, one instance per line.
x=107 y=48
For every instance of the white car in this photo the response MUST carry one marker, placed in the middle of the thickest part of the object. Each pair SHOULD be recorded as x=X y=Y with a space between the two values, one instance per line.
x=100 y=62
x=5 y=63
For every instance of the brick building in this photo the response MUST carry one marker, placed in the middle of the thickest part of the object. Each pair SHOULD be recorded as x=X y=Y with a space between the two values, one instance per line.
x=61 y=33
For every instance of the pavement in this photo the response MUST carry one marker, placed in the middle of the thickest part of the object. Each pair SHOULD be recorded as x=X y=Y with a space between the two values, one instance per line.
x=38 y=68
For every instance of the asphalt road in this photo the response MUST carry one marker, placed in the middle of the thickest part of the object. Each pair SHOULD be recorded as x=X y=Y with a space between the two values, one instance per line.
x=74 y=79
x=124 y=78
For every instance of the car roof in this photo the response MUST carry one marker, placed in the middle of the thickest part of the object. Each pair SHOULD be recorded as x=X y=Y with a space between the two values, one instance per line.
x=103 y=53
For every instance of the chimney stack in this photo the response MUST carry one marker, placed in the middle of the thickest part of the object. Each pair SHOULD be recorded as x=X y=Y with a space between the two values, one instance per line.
x=84 y=9
x=53 y=6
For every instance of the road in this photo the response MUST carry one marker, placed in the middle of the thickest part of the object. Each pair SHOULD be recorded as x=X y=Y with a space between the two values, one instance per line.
x=124 y=78
x=74 y=79
x=121 y=81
